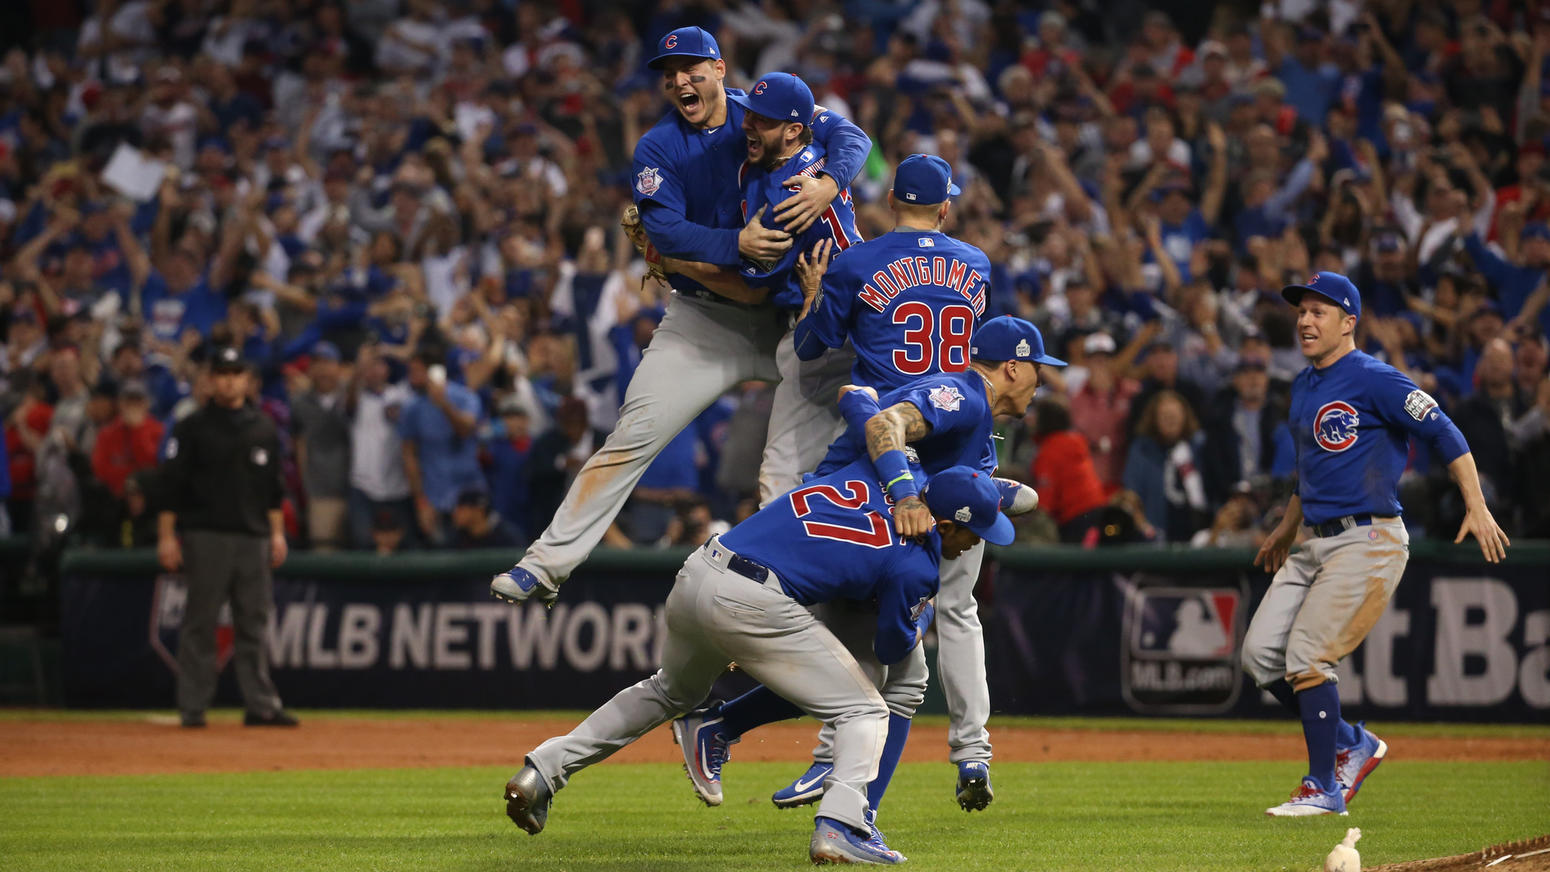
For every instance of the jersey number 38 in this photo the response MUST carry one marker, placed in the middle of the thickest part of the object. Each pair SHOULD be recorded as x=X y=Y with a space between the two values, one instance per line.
x=874 y=534
x=933 y=341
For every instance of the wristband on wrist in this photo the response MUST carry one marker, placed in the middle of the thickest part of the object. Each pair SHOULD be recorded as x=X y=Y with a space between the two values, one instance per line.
x=894 y=470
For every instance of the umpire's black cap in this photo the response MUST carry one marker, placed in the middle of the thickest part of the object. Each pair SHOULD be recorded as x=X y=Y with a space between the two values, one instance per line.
x=228 y=358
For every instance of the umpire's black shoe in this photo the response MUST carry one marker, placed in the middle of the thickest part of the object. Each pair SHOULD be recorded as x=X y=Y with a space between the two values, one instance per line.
x=192 y=719
x=278 y=718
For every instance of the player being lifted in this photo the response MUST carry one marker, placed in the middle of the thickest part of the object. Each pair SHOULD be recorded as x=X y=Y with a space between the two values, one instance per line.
x=685 y=186
x=782 y=156
x=1352 y=417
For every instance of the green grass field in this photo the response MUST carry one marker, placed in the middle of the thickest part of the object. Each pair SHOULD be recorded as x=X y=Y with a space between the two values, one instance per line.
x=1137 y=817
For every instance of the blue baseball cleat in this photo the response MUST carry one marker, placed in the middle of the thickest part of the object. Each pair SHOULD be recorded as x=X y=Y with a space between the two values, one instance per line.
x=876 y=841
x=833 y=842
x=1309 y=799
x=528 y=798
x=1354 y=764
x=706 y=748
x=974 y=791
x=516 y=585
x=806 y=789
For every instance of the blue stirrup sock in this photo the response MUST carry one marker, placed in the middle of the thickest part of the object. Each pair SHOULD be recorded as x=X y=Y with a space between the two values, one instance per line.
x=893 y=749
x=755 y=708
x=1320 y=708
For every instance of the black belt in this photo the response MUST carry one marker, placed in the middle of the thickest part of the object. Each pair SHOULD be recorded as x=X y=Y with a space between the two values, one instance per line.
x=748 y=568
x=1342 y=524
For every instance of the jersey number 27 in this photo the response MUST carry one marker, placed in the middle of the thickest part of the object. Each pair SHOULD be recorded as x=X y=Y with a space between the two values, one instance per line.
x=876 y=533
x=933 y=341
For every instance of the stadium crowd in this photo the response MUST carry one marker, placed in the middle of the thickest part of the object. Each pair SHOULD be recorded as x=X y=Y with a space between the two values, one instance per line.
x=405 y=215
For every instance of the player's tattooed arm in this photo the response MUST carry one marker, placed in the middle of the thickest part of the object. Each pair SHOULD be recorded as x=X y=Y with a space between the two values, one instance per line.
x=894 y=427
x=890 y=431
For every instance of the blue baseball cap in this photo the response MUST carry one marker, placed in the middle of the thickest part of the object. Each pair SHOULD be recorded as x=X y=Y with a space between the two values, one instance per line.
x=780 y=96
x=1536 y=230
x=970 y=499
x=685 y=42
x=1009 y=338
x=923 y=179
x=1331 y=285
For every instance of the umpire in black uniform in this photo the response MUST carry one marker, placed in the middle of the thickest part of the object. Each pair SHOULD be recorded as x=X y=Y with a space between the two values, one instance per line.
x=222 y=488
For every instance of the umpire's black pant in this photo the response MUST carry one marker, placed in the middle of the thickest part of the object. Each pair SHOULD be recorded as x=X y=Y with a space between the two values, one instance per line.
x=220 y=568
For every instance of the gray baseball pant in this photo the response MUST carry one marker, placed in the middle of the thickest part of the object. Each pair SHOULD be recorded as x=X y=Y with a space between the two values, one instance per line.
x=804 y=416
x=220 y=568
x=960 y=662
x=699 y=352
x=716 y=616
x=1323 y=602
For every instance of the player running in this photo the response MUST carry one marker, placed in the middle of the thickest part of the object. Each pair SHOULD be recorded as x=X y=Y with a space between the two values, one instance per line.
x=685 y=188
x=945 y=420
x=744 y=597
x=1352 y=417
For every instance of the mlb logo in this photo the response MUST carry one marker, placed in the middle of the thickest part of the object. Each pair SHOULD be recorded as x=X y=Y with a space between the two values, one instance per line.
x=924 y=241
x=945 y=397
x=647 y=181
x=1186 y=623
x=1179 y=649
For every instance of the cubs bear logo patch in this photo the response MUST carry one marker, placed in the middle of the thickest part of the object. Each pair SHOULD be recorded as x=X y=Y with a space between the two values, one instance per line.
x=1335 y=426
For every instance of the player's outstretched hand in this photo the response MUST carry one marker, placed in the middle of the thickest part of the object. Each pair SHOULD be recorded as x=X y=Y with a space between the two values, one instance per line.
x=811 y=267
x=911 y=518
x=1479 y=523
x=759 y=243
x=798 y=212
x=1272 y=554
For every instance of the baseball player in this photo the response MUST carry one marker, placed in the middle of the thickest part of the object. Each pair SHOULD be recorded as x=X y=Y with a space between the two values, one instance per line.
x=685 y=189
x=946 y=420
x=744 y=597
x=803 y=419
x=1352 y=418
x=908 y=302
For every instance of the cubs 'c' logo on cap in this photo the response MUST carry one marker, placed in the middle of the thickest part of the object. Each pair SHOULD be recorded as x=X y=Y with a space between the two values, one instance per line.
x=1334 y=427
x=761 y=87
x=671 y=41
x=1023 y=348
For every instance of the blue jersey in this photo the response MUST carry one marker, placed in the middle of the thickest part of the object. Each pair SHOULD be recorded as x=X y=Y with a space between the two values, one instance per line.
x=833 y=538
x=954 y=405
x=770 y=188
x=908 y=301
x=1351 y=424
x=691 y=174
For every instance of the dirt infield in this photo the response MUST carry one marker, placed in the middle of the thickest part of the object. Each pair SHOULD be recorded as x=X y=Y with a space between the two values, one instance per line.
x=1529 y=855
x=158 y=745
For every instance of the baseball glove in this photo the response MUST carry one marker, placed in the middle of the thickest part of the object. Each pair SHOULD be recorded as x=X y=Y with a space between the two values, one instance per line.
x=636 y=231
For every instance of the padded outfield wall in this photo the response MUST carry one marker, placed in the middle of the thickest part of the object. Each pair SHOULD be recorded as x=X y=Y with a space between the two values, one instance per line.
x=1117 y=631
